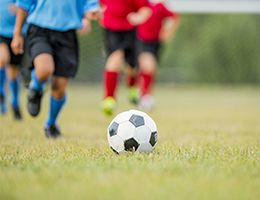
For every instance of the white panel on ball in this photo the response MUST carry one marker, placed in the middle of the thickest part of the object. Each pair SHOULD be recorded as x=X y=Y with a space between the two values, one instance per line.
x=122 y=117
x=145 y=148
x=142 y=134
x=117 y=143
x=148 y=121
x=126 y=130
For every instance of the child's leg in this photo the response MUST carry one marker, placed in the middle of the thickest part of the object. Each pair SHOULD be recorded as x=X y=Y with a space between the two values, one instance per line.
x=110 y=80
x=131 y=83
x=44 y=68
x=148 y=65
x=2 y=90
x=4 y=59
x=13 y=73
x=131 y=76
x=57 y=99
x=111 y=73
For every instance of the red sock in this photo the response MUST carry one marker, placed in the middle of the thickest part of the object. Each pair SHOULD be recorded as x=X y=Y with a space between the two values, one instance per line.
x=131 y=81
x=110 y=83
x=146 y=83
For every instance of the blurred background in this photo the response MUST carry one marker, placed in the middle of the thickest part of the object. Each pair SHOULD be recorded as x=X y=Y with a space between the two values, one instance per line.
x=217 y=42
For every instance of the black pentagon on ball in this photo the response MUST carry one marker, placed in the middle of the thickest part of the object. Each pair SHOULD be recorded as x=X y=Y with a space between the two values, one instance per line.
x=137 y=120
x=113 y=129
x=131 y=144
x=153 y=138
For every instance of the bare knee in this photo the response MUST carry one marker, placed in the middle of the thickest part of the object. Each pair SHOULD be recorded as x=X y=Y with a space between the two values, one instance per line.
x=13 y=72
x=147 y=63
x=44 y=66
x=58 y=92
x=4 y=55
x=115 y=61
x=59 y=86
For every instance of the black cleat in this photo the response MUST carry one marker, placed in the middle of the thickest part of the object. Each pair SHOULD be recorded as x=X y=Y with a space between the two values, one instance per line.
x=34 y=102
x=17 y=114
x=52 y=131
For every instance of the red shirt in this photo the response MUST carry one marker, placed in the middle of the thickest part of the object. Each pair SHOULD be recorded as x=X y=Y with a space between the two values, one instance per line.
x=150 y=30
x=116 y=11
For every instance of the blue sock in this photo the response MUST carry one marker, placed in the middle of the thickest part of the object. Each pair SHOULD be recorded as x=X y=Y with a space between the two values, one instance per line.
x=3 y=108
x=15 y=90
x=2 y=81
x=35 y=83
x=55 y=108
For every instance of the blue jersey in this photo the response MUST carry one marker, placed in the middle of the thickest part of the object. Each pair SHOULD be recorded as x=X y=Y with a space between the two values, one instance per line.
x=59 y=15
x=7 y=18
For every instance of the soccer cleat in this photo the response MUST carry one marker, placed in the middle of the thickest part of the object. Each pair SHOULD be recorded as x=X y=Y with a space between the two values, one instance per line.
x=17 y=114
x=146 y=103
x=108 y=105
x=34 y=102
x=3 y=108
x=133 y=95
x=52 y=131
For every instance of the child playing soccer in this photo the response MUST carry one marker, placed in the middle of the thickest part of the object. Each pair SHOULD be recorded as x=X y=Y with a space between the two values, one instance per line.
x=119 y=20
x=53 y=48
x=157 y=29
x=9 y=61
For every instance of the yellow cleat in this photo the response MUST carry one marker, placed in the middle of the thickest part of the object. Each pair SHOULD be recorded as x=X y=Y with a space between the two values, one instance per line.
x=133 y=95
x=108 y=105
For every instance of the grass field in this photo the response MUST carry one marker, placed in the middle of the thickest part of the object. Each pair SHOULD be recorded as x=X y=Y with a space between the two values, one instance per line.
x=209 y=148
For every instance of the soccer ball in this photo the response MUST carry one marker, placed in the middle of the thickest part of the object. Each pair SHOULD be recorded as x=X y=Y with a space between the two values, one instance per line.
x=132 y=130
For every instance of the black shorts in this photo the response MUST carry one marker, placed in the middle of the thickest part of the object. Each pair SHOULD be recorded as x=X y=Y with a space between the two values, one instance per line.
x=14 y=59
x=122 y=40
x=63 y=46
x=150 y=47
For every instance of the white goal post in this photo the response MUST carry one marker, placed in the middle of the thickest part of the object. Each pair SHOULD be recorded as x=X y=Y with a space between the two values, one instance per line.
x=215 y=6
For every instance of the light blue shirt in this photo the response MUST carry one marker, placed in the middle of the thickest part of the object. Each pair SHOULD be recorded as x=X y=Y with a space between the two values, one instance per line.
x=59 y=15
x=7 y=18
